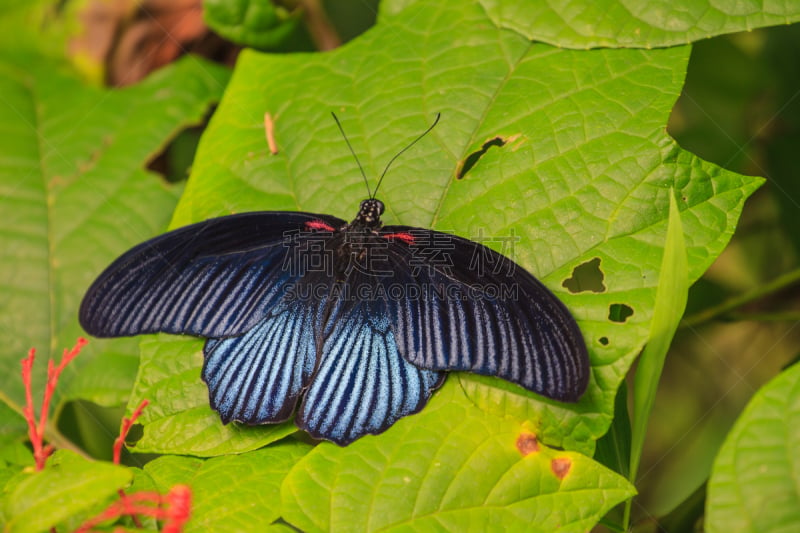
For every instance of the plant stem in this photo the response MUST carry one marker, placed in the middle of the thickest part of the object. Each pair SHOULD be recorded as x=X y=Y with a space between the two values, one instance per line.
x=780 y=316
x=779 y=283
x=11 y=404
x=626 y=517
x=319 y=26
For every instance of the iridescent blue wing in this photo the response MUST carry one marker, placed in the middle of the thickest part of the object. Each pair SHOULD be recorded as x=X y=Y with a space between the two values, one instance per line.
x=478 y=311
x=361 y=385
x=216 y=278
x=257 y=378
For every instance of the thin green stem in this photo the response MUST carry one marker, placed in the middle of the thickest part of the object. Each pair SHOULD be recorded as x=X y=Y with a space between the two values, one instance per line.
x=6 y=399
x=319 y=26
x=779 y=316
x=723 y=308
x=626 y=517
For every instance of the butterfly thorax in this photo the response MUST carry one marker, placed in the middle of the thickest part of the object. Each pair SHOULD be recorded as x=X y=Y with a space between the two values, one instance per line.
x=353 y=243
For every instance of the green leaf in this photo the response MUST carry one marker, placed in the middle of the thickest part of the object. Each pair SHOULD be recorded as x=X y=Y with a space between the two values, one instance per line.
x=7 y=474
x=22 y=23
x=231 y=493
x=755 y=479
x=68 y=485
x=614 y=448
x=584 y=177
x=687 y=515
x=279 y=528
x=255 y=23
x=179 y=419
x=633 y=23
x=15 y=453
x=671 y=296
x=453 y=467
x=74 y=194
x=12 y=424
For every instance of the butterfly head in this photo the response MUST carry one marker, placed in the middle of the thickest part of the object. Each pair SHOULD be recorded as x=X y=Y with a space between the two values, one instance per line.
x=370 y=212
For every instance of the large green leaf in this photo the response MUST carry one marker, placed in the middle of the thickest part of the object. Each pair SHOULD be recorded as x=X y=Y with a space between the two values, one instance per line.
x=231 y=493
x=631 y=23
x=67 y=486
x=74 y=194
x=451 y=468
x=584 y=178
x=755 y=481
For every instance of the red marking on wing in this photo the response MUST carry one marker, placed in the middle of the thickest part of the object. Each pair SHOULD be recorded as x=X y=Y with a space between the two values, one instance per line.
x=561 y=466
x=405 y=237
x=319 y=226
x=527 y=443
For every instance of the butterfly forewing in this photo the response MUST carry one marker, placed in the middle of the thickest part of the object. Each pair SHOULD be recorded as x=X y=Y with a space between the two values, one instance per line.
x=217 y=278
x=469 y=308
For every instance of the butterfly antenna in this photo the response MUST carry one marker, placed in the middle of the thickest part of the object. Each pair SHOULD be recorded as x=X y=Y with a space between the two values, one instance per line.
x=366 y=182
x=412 y=143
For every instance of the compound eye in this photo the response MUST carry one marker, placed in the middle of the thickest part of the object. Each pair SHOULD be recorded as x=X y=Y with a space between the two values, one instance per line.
x=379 y=206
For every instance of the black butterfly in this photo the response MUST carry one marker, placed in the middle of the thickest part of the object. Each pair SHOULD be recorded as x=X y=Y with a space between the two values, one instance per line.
x=361 y=320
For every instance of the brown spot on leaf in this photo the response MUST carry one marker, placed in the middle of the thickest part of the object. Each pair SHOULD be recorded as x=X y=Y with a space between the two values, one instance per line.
x=527 y=443
x=561 y=466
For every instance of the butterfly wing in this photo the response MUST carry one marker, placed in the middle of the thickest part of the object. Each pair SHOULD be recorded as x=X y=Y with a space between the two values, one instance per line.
x=362 y=385
x=216 y=278
x=478 y=311
x=257 y=378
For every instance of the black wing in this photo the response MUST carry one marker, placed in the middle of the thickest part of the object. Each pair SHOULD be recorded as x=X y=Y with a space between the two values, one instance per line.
x=216 y=278
x=478 y=311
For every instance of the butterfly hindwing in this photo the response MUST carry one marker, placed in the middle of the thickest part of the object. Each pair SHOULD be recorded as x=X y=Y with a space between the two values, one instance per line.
x=478 y=311
x=362 y=385
x=257 y=378
x=213 y=279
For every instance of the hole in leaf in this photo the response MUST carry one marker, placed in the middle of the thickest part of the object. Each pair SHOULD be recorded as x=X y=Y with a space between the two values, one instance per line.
x=586 y=277
x=175 y=160
x=603 y=341
x=619 y=312
x=136 y=432
x=473 y=158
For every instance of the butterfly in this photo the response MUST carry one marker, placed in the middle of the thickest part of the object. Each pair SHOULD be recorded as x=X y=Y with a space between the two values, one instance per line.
x=348 y=327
